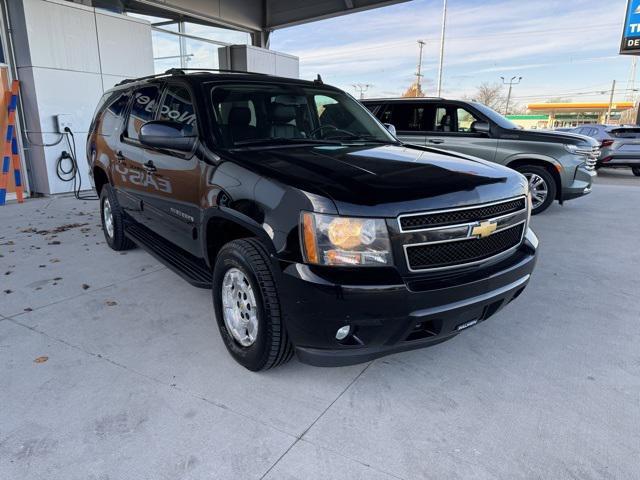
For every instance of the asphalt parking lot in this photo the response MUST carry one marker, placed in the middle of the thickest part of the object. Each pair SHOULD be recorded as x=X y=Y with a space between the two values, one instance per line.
x=111 y=367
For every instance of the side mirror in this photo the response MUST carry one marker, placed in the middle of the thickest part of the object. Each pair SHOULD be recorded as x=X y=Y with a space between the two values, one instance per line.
x=481 y=127
x=167 y=135
x=391 y=128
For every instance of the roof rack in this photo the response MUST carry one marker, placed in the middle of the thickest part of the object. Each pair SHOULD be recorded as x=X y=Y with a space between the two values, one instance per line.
x=183 y=71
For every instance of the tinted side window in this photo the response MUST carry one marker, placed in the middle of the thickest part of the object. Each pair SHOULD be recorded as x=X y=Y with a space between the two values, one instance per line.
x=177 y=106
x=111 y=118
x=464 y=120
x=143 y=108
x=405 y=116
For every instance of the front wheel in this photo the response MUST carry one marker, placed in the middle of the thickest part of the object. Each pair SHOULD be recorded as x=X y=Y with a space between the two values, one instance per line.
x=636 y=171
x=542 y=186
x=247 y=307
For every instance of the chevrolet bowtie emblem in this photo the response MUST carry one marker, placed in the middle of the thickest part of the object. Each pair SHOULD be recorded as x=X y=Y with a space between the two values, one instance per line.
x=484 y=229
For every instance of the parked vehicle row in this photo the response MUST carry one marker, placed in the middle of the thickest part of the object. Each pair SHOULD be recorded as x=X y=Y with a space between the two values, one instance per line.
x=559 y=166
x=317 y=230
x=619 y=145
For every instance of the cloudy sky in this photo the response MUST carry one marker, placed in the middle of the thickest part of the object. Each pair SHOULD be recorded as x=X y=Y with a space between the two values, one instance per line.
x=562 y=48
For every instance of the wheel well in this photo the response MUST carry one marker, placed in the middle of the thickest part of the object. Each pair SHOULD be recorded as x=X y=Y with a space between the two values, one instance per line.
x=221 y=231
x=99 y=178
x=547 y=166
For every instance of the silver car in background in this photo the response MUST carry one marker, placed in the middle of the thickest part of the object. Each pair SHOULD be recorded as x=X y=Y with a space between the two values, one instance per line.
x=619 y=145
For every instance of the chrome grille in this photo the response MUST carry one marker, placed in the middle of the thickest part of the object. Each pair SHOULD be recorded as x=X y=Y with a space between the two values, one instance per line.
x=442 y=239
x=464 y=251
x=591 y=156
x=452 y=217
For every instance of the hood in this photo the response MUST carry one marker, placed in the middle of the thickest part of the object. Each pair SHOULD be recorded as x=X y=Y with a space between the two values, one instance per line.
x=550 y=137
x=385 y=180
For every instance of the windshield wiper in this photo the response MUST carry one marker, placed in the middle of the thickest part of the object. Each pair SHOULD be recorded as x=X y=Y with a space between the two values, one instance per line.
x=367 y=138
x=283 y=141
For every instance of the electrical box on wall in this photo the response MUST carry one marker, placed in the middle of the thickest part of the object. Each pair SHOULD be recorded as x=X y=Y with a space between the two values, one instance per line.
x=64 y=121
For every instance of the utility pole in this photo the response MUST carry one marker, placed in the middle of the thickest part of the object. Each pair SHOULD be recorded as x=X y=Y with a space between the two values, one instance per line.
x=514 y=81
x=444 y=27
x=613 y=91
x=421 y=44
x=361 y=88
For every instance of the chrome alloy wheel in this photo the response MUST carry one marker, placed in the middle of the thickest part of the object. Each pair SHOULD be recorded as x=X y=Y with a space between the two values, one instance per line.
x=107 y=217
x=239 y=307
x=539 y=189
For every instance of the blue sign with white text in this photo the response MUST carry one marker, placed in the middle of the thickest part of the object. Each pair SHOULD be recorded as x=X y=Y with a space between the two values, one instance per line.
x=632 y=27
x=631 y=36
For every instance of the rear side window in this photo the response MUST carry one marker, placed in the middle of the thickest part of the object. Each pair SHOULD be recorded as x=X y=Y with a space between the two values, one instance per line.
x=177 y=106
x=625 y=132
x=409 y=117
x=143 y=108
x=111 y=118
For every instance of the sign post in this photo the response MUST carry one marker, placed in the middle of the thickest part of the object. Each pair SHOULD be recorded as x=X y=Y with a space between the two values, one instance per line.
x=630 y=44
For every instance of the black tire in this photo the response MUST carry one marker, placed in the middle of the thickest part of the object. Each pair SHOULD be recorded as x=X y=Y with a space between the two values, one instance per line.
x=272 y=346
x=636 y=171
x=549 y=181
x=117 y=241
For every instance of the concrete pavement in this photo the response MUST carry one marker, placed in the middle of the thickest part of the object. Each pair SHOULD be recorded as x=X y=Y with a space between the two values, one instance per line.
x=111 y=367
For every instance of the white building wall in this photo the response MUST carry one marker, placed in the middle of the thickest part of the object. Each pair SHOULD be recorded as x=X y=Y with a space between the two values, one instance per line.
x=67 y=55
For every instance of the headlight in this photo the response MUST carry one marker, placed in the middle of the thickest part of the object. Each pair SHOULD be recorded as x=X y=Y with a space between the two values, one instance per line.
x=334 y=240
x=571 y=148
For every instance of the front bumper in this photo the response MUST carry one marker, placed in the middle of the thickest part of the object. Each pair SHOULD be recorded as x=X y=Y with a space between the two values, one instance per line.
x=580 y=184
x=410 y=314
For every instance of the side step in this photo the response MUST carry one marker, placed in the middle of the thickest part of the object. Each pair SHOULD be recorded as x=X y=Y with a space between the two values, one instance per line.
x=192 y=269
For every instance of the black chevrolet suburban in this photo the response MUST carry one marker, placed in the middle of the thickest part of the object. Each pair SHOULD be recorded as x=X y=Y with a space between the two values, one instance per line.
x=318 y=231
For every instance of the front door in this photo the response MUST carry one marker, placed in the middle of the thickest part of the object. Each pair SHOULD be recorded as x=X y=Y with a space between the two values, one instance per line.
x=451 y=128
x=173 y=189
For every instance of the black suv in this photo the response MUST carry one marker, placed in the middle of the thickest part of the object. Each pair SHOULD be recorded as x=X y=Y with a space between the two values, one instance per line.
x=317 y=230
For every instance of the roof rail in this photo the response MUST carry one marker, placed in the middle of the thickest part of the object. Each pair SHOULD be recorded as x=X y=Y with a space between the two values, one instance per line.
x=183 y=71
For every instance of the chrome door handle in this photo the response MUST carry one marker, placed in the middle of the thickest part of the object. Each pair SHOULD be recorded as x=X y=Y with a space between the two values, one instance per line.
x=437 y=141
x=149 y=167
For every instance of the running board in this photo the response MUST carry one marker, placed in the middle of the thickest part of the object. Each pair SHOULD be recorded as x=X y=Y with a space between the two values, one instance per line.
x=191 y=268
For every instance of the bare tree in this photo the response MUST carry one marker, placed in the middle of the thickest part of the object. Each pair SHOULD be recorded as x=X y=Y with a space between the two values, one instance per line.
x=490 y=94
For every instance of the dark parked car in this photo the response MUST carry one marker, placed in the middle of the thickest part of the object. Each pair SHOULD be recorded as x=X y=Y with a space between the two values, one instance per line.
x=559 y=166
x=317 y=230
x=619 y=145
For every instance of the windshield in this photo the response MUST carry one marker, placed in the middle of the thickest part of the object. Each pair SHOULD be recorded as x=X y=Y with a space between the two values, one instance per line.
x=254 y=114
x=496 y=117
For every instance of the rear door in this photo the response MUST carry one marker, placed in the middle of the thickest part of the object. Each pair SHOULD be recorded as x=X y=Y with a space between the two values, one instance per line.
x=137 y=182
x=408 y=118
x=173 y=185
x=451 y=128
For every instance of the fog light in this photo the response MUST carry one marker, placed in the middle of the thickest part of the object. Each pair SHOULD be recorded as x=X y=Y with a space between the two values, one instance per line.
x=343 y=332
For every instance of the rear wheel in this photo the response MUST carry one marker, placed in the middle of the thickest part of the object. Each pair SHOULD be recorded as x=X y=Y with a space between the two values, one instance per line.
x=112 y=218
x=247 y=307
x=542 y=186
x=636 y=171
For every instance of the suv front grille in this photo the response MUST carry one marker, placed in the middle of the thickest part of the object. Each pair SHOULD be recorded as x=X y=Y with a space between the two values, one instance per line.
x=471 y=250
x=409 y=223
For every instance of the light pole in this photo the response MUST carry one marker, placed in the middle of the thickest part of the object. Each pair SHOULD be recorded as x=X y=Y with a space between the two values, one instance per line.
x=514 y=81
x=361 y=88
x=421 y=44
x=444 y=27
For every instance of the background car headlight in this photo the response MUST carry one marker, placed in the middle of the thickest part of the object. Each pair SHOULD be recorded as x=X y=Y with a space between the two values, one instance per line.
x=346 y=241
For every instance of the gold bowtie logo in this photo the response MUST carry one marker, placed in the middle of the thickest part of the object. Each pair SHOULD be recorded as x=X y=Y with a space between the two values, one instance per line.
x=484 y=229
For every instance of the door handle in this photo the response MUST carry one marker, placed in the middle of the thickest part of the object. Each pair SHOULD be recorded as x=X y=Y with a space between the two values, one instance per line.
x=437 y=141
x=120 y=157
x=149 y=167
